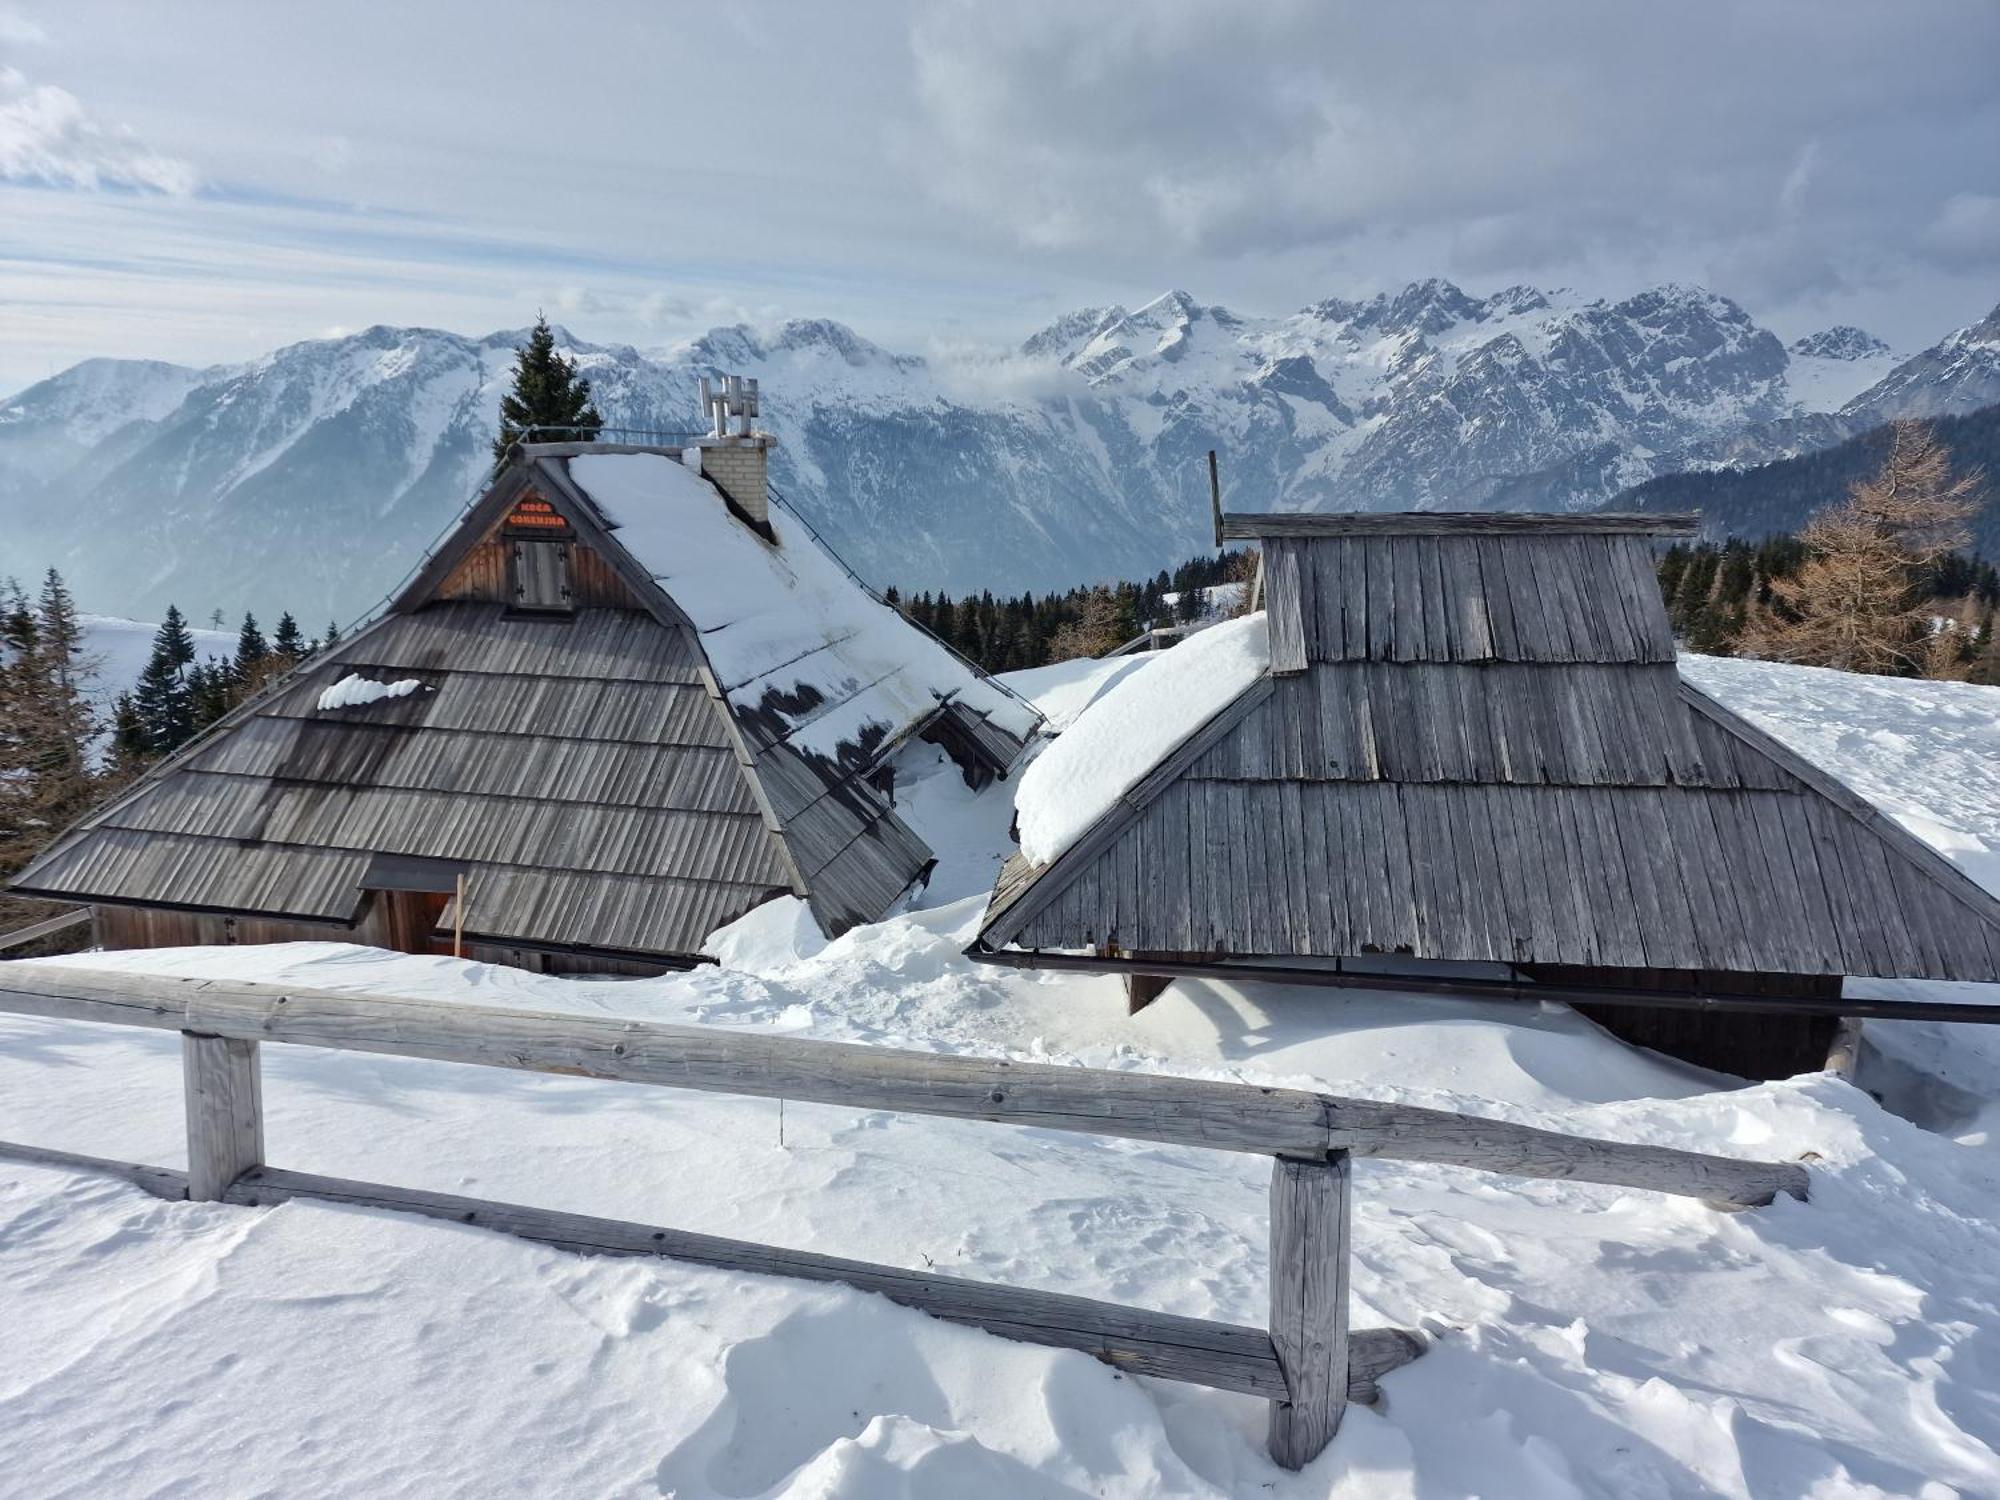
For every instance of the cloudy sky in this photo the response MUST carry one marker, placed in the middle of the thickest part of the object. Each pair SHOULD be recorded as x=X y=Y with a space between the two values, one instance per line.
x=203 y=181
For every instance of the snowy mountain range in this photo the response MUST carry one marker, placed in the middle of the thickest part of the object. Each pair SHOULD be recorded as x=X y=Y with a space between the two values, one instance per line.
x=314 y=477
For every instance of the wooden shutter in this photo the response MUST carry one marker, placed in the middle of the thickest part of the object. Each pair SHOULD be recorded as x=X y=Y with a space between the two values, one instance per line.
x=541 y=576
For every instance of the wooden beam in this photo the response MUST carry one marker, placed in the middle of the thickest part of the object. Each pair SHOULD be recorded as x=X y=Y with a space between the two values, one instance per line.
x=1311 y=1216
x=1245 y=527
x=1135 y=1106
x=225 y=1115
x=1222 y=1356
x=1843 y=1055
x=161 y=1182
x=50 y=928
x=1141 y=990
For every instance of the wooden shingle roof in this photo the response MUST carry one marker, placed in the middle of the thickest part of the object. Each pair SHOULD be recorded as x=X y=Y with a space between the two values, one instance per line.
x=589 y=770
x=1473 y=744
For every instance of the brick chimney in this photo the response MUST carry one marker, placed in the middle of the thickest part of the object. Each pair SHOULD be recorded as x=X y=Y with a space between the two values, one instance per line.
x=737 y=459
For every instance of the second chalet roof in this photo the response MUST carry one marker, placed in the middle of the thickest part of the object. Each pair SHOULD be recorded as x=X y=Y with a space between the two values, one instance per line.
x=1472 y=743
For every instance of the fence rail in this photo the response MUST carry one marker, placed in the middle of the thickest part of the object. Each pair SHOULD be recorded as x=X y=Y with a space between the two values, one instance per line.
x=1306 y=1363
x=21 y=936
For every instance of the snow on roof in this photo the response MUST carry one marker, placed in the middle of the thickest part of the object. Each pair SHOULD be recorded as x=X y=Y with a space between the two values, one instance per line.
x=1064 y=689
x=1927 y=753
x=356 y=691
x=1111 y=746
x=786 y=627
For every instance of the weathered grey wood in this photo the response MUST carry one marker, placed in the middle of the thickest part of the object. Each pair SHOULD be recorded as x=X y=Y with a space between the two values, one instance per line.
x=1311 y=1211
x=1968 y=891
x=1136 y=1106
x=49 y=928
x=1189 y=1112
x=225 y=1116
x=1141 y=990
x=1223 y=1356
x=1005 y=919
x=1284 y=615
x=161 y=1182
x=1843 y=1054
x=1249 y=527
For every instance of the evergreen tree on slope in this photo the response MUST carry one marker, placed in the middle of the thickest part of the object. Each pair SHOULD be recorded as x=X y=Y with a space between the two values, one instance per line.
x=163 y=699
x=547 y=393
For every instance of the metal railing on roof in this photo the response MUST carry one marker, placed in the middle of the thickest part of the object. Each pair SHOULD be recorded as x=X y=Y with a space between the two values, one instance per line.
x=665 y=437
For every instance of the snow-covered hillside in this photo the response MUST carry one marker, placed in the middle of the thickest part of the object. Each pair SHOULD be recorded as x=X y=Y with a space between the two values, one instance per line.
x=120 y=650
x=311 y=478
x=1589 y=1342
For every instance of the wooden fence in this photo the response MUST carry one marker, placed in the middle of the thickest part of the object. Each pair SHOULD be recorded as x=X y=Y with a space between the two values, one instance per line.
x=1308 y=1363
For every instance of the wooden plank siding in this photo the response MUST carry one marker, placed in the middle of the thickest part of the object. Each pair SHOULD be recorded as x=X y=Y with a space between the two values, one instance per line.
x=481 y=576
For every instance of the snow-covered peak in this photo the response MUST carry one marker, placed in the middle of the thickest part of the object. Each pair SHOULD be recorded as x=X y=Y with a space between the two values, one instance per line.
x=823 y=335
x=1425 y=307
x=946 y=474
x=1842 y=341
x=1063 y=337
x=91 y=400
x=1959 y=373
x=1140 y=349
x=1834 y=366
x=1168 y=310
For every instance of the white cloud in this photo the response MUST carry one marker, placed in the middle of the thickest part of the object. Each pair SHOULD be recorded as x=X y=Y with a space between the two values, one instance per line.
x=17 y=30
x=1533 y=137
x=47 y=136
x=1966 y=229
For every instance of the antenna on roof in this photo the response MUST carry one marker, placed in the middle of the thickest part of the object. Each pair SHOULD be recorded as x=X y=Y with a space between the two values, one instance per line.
x=1215 y=499
x=736 y=396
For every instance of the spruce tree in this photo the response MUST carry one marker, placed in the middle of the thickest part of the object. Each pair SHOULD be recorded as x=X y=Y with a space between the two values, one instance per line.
x=17 y=621
x=547 y=393
x=162 y=699
x=212 y=691
x=130 y=751
x=47 y=725
x=251 y=650
x=59 y=655
x=288 y=640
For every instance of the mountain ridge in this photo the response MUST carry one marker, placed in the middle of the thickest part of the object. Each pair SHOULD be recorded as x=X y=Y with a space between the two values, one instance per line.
x=313 y=476
x=1780 y=496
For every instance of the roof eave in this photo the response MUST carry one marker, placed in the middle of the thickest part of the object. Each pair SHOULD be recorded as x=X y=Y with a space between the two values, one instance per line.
x=1246 y=526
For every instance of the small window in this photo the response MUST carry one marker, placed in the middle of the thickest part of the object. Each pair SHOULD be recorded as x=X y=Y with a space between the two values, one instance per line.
x=540 y=576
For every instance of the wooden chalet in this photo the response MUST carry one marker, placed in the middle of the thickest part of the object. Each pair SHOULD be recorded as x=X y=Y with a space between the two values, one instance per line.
x=622 y=704
x=1472 y=766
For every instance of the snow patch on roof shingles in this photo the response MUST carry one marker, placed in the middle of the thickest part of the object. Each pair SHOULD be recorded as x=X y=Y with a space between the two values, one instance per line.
x=1122 y=735
x=787 y=629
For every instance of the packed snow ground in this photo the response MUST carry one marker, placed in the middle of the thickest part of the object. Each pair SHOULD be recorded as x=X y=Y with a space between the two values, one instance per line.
x=1589 y=1341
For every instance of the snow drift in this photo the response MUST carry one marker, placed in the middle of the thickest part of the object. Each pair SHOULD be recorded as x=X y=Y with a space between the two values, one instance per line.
x=1589 y=1342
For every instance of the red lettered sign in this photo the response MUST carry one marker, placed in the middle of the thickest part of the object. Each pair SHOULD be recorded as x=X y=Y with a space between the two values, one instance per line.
x=536 y=514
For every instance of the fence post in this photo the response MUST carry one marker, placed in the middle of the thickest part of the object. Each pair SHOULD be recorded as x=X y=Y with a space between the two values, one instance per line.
x=1310 y=1212
x=225 y=1115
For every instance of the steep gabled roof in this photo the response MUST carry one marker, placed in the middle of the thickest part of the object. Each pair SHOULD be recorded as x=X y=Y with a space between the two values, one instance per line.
x=598 y=781
x=1473 y=744
x=797 y=643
